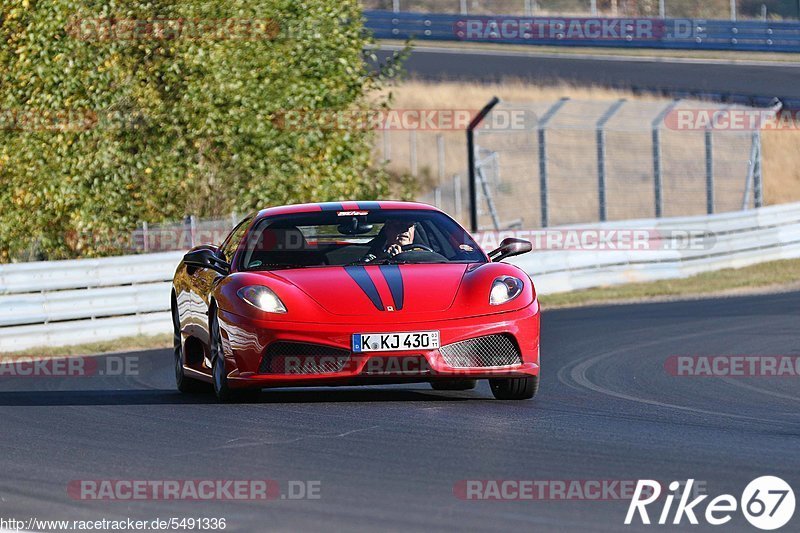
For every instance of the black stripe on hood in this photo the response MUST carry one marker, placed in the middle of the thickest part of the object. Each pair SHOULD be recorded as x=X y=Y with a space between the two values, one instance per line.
x=360 y=276
x=394 y=278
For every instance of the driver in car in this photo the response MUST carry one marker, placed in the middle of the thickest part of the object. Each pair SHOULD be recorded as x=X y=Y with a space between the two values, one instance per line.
x=397 y=233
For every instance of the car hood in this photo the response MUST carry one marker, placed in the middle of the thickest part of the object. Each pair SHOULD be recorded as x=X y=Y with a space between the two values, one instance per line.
x=368 y=290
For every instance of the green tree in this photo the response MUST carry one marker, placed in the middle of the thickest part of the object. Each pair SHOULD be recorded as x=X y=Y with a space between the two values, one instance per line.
x=106 y=121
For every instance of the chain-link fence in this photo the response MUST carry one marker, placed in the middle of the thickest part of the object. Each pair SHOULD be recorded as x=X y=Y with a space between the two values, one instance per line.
x=574 y=161
x=710 y=9
x=169 y=236
x=554 y=163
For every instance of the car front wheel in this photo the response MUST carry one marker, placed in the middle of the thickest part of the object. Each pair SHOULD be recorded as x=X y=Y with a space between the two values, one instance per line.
x=515 y=388
x=219 y=375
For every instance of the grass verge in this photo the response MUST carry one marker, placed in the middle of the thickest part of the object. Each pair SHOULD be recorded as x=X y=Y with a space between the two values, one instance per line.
x=124 y=344
x=774 y=276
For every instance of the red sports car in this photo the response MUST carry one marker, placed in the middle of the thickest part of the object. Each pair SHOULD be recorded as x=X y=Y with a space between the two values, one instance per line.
x=347 y=293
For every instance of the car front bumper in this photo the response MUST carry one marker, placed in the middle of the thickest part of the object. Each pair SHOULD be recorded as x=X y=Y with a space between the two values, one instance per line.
x=246 y=341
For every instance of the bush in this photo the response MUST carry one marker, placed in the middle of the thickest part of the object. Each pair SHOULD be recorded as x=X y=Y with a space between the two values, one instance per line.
x=106 y=123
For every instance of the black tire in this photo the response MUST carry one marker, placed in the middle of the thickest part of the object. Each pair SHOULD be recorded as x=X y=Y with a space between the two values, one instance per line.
x=184 y=384
x=219 y=376
x=455 y=384
x=515 y=388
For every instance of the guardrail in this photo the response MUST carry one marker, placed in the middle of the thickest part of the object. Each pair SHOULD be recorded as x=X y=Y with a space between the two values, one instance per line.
x=86 y=300
x=734 y=240
x=680 y=34
x=58 y=303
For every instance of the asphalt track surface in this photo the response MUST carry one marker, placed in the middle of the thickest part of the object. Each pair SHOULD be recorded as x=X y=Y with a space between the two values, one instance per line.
x=753 y=79
x=389 y=457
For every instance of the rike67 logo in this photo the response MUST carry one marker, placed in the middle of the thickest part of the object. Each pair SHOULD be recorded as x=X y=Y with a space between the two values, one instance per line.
x=767 y=503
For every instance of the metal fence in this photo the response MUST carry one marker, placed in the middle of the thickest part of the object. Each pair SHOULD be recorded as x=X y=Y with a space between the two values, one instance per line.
x=575 y=161
x=716 y=9
x=563 y=162
x=169 y=236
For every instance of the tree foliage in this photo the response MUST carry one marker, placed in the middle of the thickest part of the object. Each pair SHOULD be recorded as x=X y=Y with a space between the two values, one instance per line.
x=102 y=127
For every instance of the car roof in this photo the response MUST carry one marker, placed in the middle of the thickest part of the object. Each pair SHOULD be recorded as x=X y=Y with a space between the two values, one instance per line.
x=356 y=205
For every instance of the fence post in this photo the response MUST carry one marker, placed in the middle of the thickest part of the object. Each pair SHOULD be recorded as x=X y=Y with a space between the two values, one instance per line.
x=396 y=6
x=709 y=171
x=733 y=10
x=657 y=177
x=387 y=147
x=457 y=195
x=192 y=229
x=412 y=148
x=528 y=8
x=145 y=237
x=601 y=157
x=593 y=8
x=748 y=182
x=473 y=191
x=440 y=156
x=187 y=233
x=758 y=191
x=463 y=7
x=662 y=9
x=542 y=128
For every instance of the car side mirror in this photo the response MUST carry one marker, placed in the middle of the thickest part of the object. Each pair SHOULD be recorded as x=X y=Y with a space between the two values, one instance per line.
x=207 y=258
x=509 y=248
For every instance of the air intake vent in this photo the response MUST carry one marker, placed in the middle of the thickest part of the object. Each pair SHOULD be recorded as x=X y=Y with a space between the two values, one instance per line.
x=302 y=358
x=491 y=350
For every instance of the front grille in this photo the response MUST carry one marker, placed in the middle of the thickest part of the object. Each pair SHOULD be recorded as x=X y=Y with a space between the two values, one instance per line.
x=491 y=350
x=302 y=358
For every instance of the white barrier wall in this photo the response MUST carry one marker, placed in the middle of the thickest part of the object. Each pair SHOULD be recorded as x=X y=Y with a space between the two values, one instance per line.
x=733 y=240
x=57 y=303
x=72 y=302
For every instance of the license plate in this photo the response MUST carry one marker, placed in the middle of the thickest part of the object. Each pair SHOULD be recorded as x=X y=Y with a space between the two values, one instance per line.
x=395 y=342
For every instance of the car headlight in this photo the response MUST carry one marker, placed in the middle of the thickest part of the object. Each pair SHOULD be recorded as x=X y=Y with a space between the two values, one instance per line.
x=505 y=289
x=262 y=298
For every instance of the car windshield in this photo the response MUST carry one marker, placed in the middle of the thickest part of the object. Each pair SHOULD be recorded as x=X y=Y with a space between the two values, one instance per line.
x=357 y=237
